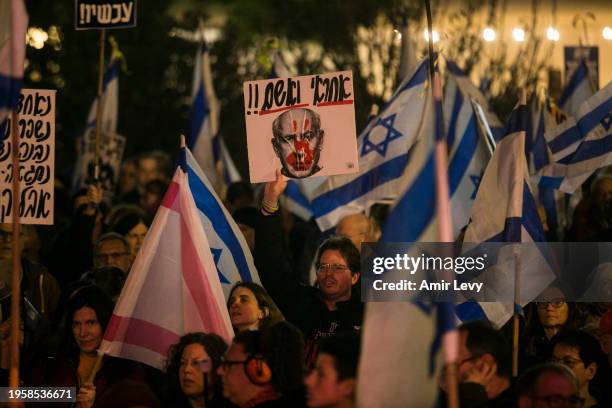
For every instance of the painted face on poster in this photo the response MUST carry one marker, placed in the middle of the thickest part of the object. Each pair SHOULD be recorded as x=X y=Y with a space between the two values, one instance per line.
x=303 y=125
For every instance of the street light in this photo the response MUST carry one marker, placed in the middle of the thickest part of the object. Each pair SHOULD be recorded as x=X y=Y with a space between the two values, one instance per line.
x=488 y=34
x=607 y=33
x=552 y=34
x=435 y=36
x=518 y=34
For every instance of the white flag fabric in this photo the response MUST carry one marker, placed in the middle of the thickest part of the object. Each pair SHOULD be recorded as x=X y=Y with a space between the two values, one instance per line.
x=505 y=211
x=578 y=89
x=384 y=149
x=173 y=287
x=230 y=251
x=586 y=143
x=411 y=333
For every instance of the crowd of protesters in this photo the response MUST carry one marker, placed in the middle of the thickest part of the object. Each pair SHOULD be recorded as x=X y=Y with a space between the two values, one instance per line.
x=297 y=342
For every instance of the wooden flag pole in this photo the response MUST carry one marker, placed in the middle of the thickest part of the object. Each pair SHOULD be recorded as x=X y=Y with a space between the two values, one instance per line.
x=442 y=210
x=96 y=367
x=15 y=278
x=99 y=106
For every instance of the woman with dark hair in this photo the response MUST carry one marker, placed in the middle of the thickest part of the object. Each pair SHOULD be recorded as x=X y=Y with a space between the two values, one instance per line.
x=133 y=225
x=191 y=371
x=546 y=317
x=87 y=314
x=250 y=307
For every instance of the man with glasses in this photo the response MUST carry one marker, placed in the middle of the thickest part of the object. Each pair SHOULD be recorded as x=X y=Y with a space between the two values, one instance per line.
x=582 y=353
x=112 y=250
x=548 y=385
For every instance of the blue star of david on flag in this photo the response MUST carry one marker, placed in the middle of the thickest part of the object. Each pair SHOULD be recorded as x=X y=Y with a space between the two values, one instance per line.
x=476 y=180
x=216 y=253
x=392 y=134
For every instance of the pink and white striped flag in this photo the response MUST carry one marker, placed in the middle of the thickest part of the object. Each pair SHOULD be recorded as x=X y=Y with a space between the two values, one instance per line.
x=173 y=287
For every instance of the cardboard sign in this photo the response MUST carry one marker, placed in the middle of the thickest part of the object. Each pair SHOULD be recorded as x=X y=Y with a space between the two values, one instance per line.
x=36 y=130
x=97 y=14
x=572 y=57
x=112 y=147
x=304 y=126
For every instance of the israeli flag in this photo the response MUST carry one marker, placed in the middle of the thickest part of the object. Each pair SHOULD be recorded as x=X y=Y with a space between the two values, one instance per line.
x=505 y=211
x=204 y=139
x=384 y=149
x=589 y=135
x=407 y=371
x=578 y=90
x=469 y=148
x=229 y=249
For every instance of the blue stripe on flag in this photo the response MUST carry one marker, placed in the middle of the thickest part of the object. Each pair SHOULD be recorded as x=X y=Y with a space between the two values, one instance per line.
x=550 y=182
x=589 y=149
x=463 y=155
x=510 y=233
x=470 y=310
x=579 y=75
x=452 y=124
x=540 y=155
x=518 y=121
x=588 y=122
x=199 y=110
x=9 y=91
x=413 y=212
x=531 y=218
x=207 y=204
x=565 y=139
x=293 y=191
x=360 y=186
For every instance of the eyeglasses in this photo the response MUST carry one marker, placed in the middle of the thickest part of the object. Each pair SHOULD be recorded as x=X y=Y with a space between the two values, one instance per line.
x=555 y=303
x=568 y=361
x=557 y=401
x=225 y=362
x=334 y=268
x=112 y=255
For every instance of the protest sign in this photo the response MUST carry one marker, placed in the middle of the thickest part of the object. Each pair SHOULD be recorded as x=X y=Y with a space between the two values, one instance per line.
x=97 y=14
x=36 y=132
x=112 y=146
x=303 y=125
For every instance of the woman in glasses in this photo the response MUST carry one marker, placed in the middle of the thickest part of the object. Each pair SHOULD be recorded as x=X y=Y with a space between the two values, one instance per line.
x=250 y=307
x=191 y=371
x=546 y=317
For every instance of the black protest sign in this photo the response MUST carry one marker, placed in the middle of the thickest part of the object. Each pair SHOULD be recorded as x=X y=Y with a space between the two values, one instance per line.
x=97 y=14
x=36 y=132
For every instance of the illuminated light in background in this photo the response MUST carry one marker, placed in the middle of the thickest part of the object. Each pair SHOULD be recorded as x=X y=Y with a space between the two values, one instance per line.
x=435 y=36
x=518 y=34
x=552 y=34
x=36 y=37
x=607 y=33
x=488 y=34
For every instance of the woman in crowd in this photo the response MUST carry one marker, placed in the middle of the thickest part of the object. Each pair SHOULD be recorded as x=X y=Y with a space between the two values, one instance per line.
x=133 y=226
x=87 y=315
x=250 y=307
x=191 y=371
x=545 y=318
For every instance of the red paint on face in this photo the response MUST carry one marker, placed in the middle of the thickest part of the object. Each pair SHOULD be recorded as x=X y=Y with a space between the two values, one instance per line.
x=301 y=159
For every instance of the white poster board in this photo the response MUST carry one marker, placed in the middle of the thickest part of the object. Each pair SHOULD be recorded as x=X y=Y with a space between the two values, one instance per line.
x=36 y=130
x=304 y=126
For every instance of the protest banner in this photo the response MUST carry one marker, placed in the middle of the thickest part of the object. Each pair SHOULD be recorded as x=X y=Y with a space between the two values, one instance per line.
x=303 y=125
x=35 y=114
x=99 y=14
x=112 y=146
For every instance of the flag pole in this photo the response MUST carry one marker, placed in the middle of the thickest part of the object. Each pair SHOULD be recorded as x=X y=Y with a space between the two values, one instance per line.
x=15 y=278
x=16 y=206
x=517 y=287
x=99 y=107
x=442 y=207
